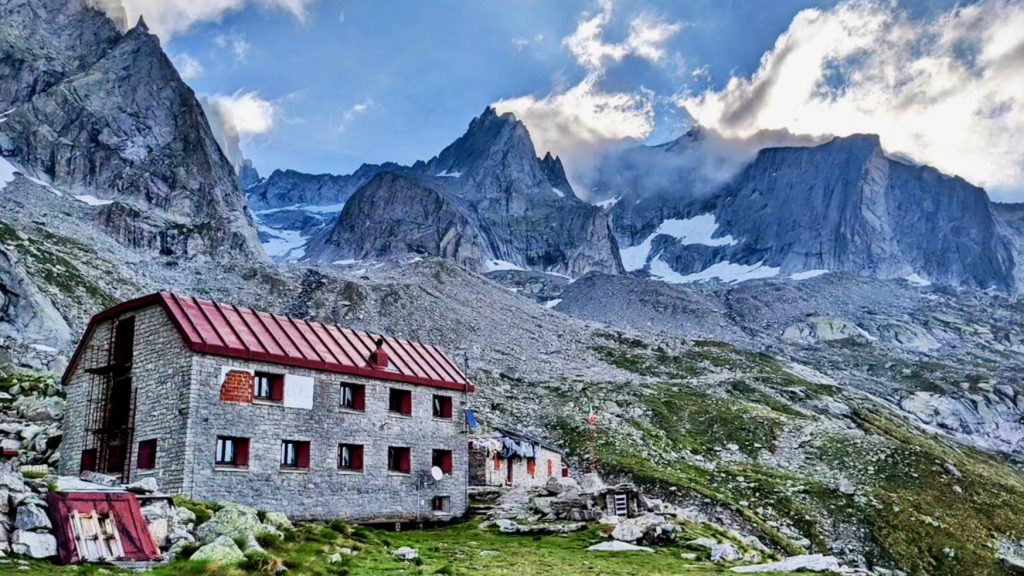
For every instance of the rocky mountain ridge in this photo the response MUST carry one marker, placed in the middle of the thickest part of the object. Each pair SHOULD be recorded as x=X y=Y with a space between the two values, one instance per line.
x=105 y=116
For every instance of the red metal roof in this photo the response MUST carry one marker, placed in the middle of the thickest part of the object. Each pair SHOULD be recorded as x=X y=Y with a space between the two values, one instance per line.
x=235 y=332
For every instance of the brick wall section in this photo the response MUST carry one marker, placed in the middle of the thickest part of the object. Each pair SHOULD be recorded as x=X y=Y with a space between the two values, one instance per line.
x=237 y=387
x=161 y=368
x=324 y=492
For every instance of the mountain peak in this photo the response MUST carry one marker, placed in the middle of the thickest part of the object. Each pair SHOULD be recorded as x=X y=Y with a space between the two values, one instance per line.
x=141 y=25
x=490 y=137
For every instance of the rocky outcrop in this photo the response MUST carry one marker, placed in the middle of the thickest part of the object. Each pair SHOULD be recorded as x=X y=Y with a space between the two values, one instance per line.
x=285 y=188
x=105 y=113
x=394 y=215
x=26 y=314
x=846 y=206
x=521 y=209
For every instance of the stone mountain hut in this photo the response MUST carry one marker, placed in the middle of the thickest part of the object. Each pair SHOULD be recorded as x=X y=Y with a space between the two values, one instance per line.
x=220 y=402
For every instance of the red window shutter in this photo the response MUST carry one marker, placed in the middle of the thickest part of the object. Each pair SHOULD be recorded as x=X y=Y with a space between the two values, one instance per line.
x=404 y=464
x=277 y=388
x=446 y=462
x=359 y=397
x=356 y=457
x=531 y=466
x=302 y=454
x=242 y=452
x=446 y=408
x=497 y=462
x=551 y=467
x=407 y=403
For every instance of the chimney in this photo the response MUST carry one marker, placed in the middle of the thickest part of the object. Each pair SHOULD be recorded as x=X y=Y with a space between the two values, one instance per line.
x=379 y=358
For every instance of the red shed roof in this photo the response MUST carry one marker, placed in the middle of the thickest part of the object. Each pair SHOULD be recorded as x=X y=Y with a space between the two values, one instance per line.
x=234 y=332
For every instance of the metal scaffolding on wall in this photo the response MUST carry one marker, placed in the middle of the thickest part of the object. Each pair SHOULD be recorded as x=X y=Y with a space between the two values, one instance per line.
x=110 y=409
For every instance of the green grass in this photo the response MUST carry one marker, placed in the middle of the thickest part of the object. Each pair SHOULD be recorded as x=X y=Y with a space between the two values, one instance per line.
x=457 y=549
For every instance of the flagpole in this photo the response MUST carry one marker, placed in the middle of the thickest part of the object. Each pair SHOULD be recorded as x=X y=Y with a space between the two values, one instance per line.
x=592 y=419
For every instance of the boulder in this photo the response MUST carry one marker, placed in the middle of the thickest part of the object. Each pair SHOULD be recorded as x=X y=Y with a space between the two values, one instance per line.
x=234 y=521
x=643 y=527
x=708 y=543
x=591 y=483
x=12 y=482
x=557 y=485
x=725 y=553
x=31 y=518
x=40 y=409
x=221 y=550
x=617 y=546
x=407 y=554
x=278 y=520
x=251 y=545
x=507 y=526
x=143 y=486
x=802 y=563
x=34 y=544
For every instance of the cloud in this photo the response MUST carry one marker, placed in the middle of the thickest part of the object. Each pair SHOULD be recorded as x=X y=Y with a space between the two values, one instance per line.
x=236 y=116
x=235 y=42
x=575 y=121
x=356 y=110
x=169 y=17
x=946 y=91
x=188 y=67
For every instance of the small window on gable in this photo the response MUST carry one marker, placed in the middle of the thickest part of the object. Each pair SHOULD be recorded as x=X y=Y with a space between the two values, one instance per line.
x=400 y=401
x=442 y=406
x=146 y=459
x=350 y=457
x=353 y=396
x=443 y=460
x=441 y=504
x=124 y=340
x=295 y=454
x=231 y=452
x=399 y=460
x=268 y=387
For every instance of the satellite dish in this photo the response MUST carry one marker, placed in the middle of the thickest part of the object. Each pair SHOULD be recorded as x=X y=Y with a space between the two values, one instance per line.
x=436 y=473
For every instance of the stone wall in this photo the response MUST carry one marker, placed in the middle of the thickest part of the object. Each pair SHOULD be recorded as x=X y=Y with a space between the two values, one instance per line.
x=322 y=491
x=161 y=365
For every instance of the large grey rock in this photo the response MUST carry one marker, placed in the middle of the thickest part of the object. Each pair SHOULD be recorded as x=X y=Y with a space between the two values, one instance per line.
x=234 y=521
x=407 y=554
x=34 y=544
x=13 y=482
x=32 y=518
x=617 y=546
x=146 y=485
x=803 y=563
x=40 y=408
x=725 y=553
x=221 y=550
x=643 y=527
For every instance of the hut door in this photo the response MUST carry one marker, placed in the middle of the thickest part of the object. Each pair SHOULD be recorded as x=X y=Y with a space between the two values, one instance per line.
x=508 y=472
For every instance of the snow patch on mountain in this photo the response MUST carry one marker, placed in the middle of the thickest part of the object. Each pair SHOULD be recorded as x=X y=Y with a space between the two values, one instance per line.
x=7 y=171
x=449 y=174
x=696 y=230
x=284 y=245
x=917 y=280
x=726 y=272
x=807 y=274
x=92 y=200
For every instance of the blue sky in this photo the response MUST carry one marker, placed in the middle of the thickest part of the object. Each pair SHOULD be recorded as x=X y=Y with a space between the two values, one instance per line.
x=353 y=82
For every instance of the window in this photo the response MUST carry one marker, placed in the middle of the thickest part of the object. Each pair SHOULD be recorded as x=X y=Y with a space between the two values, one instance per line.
x=400 y=401
x=497 y=461
x=353 y=397
x=146 y=459
x=399 y=460
x=124 y=340
x=443 y=460
x=232 y=452
x=88 y=462
x=295 y=454
x=350 y=457
x=531 y=466
x=442 y=406
x=441 y=504
x=268 y=387
x=551 y=468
